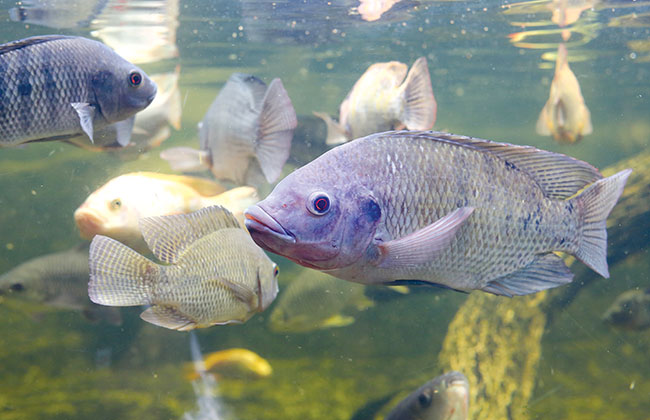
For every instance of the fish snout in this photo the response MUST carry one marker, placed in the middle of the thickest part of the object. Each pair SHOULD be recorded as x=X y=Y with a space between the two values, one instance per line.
x=88 y=222
x=260 y=224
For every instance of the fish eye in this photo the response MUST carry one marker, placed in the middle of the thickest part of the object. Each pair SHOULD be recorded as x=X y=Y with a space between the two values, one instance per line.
x=318 y=203
x=135 y=78
x=116 y=204
x=276 y=271
x=424 y=399
x=17 y=287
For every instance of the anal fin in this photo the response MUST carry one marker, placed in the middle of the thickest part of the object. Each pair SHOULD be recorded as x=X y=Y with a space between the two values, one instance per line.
x=545 y=272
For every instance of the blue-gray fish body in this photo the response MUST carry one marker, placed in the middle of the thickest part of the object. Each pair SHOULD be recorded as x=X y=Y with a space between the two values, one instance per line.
x=439 y=208
x=58 y=87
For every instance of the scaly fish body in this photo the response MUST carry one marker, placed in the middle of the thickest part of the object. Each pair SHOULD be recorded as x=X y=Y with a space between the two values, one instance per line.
x=316 y=301
x=245 y=136
x=49 y=90
x=451 y=210
x=215 y=274
x=116 y=208
x=58 y=280
x=565 y=115
x=385 y=98
x=444 y=398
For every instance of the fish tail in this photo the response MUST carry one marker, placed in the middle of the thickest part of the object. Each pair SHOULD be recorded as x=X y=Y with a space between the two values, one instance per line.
x=186 y=159
x=597 y=201
x=420 y=104
x=119 y=276
x=277 y=122
x=335 y=133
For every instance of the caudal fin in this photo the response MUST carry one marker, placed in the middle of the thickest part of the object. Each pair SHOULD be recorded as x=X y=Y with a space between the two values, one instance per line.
x=119 y=276
x=420 y=104
x=277 y=122
x=186 y=159
x=597 y=201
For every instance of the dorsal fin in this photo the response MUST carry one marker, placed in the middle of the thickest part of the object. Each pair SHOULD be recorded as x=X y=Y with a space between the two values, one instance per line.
x=559 y=176
x=169 y=236
x=26 y=42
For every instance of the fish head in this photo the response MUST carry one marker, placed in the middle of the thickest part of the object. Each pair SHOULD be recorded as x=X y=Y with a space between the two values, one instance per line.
x=122 y=91
x=112 y=210
x=22 y=289
x=282 y=320
x=624 y=309
x=315 y=222
x=267 y=279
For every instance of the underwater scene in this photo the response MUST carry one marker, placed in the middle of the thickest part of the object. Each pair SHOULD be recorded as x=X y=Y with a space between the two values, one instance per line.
x=306 y=209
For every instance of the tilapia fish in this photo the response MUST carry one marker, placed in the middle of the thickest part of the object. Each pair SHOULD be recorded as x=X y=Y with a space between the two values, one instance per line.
x=439 y=208
x=565 y=115
x=630 y=310
x=245 y=136
x=116 y=208
x=382 y=99
x=314 y=301
x=58 y=280
x=213 y=273
x=445 y=397
x=50 y=90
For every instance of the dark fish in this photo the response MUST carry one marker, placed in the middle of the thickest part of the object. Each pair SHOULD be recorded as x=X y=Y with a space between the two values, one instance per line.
x=213 y=274
x=59 y=14
x=245 y=135
x=50 y=90
x=630 y=310
x=462 y=212
x=58 y=280
x=443 y=398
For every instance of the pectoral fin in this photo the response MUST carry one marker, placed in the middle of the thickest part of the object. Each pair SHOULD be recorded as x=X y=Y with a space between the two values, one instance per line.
x=421 y=246
x=168 y=317
x=86 y=114
x=123 y=131
x=242 y=293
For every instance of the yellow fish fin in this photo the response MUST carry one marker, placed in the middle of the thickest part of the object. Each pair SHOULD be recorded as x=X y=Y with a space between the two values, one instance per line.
x=168 y=236
x=404 y=290
x=361 y=303
x=337 y=320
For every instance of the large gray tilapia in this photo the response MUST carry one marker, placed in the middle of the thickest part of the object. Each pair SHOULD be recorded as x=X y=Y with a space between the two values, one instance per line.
x=245 y=134
x=58 y=280
x=56 y=87
x=213 y=272
x=439 y=208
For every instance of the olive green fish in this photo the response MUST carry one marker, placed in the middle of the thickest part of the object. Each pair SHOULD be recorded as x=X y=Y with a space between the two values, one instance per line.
x=50 y=89
x=314 y=301
x=58 y=280
x=439 y=208
x=214 y=273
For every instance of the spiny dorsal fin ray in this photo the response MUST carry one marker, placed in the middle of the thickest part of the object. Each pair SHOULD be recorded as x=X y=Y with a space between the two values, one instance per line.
x=559 y=176
x=22 y=43
x=169 y=236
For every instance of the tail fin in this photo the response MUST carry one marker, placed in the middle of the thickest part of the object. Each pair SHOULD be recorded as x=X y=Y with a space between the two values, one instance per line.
x=597 y=201
x=186 y=159
x=335 y=133
x=119 y=276
x=420 y=109
x=277 y=122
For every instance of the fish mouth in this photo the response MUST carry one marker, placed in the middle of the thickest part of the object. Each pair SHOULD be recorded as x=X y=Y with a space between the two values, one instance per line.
x=88 y=222
x=258 y=220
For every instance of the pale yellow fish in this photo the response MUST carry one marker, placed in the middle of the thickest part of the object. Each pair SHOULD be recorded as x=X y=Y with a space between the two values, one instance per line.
x=565 y=115
x=116 y=208
x=371 y=10
x=232 y=363
x=567 y=12
x=382 y=99
x=212 y=271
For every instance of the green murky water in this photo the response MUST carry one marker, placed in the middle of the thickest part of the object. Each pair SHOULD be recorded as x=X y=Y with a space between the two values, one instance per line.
x=56 y=365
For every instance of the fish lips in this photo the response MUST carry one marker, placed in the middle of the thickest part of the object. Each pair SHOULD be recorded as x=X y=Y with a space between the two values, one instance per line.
x=265 y=230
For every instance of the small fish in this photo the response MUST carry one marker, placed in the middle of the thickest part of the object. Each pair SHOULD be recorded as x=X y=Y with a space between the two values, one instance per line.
x=371 y=10
x=431 y=207
x=232 y=363
x=382 y=100
x=317 y=301
x=141 y=32
x=58 y=14
x=630 y=310
x=213 y=274
x=245 y=135
x=149 y=127
x=565 y=115
x=444 y=398
x=116 y=208
x=49 y=90
x=58 y=280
